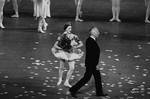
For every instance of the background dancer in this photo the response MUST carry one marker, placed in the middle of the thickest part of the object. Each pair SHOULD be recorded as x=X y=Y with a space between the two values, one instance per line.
x=115 y=10
x=41 y=13
x=2 y=3
x=147 y=4
x=78 y=4
x=15 y=5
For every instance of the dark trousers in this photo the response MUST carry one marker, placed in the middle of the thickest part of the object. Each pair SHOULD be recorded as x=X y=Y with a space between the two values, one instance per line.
x=87 y=76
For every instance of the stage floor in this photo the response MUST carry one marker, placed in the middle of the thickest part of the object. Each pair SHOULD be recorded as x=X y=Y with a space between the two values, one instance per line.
x=29 y=70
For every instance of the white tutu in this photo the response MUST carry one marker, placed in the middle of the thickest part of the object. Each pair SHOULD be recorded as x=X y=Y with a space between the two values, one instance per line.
x=77 y=54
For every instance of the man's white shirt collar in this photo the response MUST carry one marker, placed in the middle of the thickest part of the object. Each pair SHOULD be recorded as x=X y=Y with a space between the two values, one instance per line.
x=92 y=37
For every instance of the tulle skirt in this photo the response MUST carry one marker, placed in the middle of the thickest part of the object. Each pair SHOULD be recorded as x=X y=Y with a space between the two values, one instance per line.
x=68 y=56
x=42 y=9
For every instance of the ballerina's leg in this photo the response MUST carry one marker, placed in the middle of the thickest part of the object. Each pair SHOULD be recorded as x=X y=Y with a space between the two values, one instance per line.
x=41 y=24
x=113 y=11
x=61 y=70
x=34 y=8
x=49 y=8
x=78 y=10
x=44 y=24
x=2 y=3
x=118 y=11
x=147 y=12
x=69 y=73
x=15 y=4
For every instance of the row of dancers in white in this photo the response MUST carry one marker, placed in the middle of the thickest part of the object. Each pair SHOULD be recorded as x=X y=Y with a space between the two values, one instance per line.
x=42 y=11
x=116 y=10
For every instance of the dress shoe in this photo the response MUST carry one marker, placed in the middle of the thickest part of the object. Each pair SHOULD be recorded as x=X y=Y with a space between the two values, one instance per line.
x=73 y=94
x=103 y=95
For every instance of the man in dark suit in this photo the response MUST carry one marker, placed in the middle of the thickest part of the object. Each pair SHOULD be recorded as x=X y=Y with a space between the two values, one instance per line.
x=91 y=64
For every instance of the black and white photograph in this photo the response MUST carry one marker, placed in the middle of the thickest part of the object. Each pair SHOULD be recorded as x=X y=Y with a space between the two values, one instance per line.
x=74 y=49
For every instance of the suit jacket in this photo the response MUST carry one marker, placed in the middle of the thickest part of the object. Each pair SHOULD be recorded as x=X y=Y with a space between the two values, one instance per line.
x=92 y=53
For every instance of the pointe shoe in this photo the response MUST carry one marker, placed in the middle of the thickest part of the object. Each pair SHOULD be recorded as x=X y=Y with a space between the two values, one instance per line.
x=112 y=19
x=67 y=84
x=79 y=20
x=45 y=26
x=147 y=21
x=40 y=30
x=40 y=27
x=49 y=16
x=15 y=16
x=59 y=82
x=118 y=20
x=2 y=26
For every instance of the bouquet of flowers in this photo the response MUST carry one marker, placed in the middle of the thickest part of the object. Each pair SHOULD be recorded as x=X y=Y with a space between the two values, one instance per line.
x=65 y=43
x=75 y=41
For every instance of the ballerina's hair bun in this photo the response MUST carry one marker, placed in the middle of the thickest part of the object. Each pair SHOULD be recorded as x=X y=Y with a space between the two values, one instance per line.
x=66 y=25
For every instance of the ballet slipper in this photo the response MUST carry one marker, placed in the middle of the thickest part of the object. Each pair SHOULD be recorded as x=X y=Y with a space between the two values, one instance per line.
x=67 y=84
x=15 y=16
x=112 y=19
x=79 y=20
x=40 y=30
x=147 y=21
x=59 y=82
x=40 y=27
x=1 y=24
x=118 y=20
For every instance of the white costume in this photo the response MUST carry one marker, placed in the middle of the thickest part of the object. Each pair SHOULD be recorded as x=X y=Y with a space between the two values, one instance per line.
x=67 y=41
x=42 y=8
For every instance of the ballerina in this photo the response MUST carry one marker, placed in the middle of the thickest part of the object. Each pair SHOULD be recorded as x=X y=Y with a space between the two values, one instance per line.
x=2 y=3
x=41 y=12
x=78 y=4
x=147 y=4
x=115 y=10
x=66 y=49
